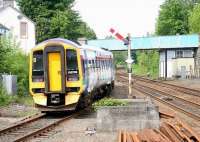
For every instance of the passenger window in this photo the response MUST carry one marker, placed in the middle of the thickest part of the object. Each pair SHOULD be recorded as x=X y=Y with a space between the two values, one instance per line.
x=72 y=65
x=93 y=64
x=89 y=63
x=37 y=64
x=98 y=64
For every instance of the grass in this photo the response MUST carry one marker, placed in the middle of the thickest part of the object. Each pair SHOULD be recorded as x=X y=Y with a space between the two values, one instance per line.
x=6 y=99
x=108 y=102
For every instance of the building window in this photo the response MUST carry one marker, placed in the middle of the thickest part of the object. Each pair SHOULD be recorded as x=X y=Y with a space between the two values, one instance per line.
x=184 y=53
x=188 y=53
x=179 y=54
x=23 y=30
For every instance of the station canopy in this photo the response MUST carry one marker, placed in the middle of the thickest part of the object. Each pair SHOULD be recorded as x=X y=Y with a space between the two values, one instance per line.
x=145 y=43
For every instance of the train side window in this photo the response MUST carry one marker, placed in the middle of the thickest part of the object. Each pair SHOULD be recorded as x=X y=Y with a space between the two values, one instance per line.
x=37 y=67
x=72 y=65
x=98 y=63
x=93 y=65
x=107 y=64
x=89 y=63
x=83 y=66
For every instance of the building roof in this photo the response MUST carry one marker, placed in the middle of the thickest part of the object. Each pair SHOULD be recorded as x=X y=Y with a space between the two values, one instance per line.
x=3 y=27
x=4 y=8
x=157 y=42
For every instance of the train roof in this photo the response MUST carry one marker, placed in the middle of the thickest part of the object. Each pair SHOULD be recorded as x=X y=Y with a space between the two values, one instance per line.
x=87 y=47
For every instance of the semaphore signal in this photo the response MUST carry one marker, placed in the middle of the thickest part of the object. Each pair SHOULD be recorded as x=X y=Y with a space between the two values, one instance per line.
x=119 y=36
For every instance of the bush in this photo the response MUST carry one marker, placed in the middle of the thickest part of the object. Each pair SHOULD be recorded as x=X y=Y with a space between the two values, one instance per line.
x=108 y=102
x=147 y=63
x=15 y=62
x=5 y=99
x=120 y=57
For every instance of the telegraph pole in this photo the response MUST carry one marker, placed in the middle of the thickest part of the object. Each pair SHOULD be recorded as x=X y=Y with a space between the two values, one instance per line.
x=129 y=62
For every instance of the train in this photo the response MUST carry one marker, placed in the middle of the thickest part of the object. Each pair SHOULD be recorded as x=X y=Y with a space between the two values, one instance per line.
x=64 y=75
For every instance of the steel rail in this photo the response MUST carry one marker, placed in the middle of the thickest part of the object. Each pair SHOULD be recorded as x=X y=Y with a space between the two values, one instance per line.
x=25 y=121
x=194 y=116
x=173 y=96
x=167 y=85
x=44 y=129
x=172 y=86
x=167 y=94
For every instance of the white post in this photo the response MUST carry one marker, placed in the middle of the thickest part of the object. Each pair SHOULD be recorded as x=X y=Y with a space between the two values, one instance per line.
x=129 y=63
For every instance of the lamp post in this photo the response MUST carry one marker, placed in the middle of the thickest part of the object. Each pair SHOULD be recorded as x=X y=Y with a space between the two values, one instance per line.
x=129 y=62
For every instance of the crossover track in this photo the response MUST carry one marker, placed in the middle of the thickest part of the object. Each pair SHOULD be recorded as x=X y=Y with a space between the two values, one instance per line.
x=163 y=84
x=32 y=127
x=184 y=105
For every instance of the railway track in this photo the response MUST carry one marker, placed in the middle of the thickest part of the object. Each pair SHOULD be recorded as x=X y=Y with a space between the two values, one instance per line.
x=32 y=127
x=186 y=90
x=182 y=89
x=188 y=107
x=193 y=100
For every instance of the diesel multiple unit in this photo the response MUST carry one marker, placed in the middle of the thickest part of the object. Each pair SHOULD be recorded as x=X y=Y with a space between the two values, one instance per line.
x=65 y=75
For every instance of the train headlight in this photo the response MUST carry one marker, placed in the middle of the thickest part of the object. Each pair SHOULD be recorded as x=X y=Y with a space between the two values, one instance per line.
x=38 y=90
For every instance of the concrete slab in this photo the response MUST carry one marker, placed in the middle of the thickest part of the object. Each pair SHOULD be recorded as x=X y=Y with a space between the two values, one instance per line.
x=139 y=114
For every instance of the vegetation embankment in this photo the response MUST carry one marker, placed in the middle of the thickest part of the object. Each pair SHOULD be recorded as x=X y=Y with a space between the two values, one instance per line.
x=14 y=61
x=146 y=63
x=109 y=102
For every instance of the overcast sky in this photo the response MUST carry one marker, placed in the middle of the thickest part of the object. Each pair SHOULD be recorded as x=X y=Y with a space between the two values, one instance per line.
x=126 y=16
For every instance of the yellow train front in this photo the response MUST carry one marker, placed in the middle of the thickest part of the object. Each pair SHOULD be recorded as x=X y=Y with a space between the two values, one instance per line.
x=65 y=76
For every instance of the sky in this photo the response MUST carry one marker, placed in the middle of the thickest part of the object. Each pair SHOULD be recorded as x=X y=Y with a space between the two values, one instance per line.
x=137 y=17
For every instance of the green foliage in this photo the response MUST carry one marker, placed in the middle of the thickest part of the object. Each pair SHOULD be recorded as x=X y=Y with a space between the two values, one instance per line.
x=7 y=46
x=55 y=19
x=173 y=17
x=194 y=20
x=120 y=57
x=109 y=102
x=5 y=99
x=147 y=63
x=15 y=62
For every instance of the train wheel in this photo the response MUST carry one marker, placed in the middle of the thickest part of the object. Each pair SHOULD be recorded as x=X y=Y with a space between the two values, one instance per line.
x=113 y=85
x=82 y=102
x=108 y=90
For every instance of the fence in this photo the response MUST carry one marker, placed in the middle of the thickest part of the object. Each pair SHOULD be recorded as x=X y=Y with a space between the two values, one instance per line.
x=9 y=82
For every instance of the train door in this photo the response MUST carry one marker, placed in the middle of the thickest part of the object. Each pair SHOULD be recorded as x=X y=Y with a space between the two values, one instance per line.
x=54 y=65
x=54 y=69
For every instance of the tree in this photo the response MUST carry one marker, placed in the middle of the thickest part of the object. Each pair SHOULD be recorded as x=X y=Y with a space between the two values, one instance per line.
x=55 y=19
x=173 y=17
x=86 y=31
x=194 y=20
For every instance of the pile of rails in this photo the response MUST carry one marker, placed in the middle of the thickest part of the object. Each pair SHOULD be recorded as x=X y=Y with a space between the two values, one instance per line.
x=172 y=130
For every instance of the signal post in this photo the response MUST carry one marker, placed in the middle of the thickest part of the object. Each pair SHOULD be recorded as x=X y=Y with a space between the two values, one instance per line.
x=129 y=61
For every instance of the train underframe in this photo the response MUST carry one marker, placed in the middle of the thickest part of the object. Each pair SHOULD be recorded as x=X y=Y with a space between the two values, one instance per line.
x=85 y=100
